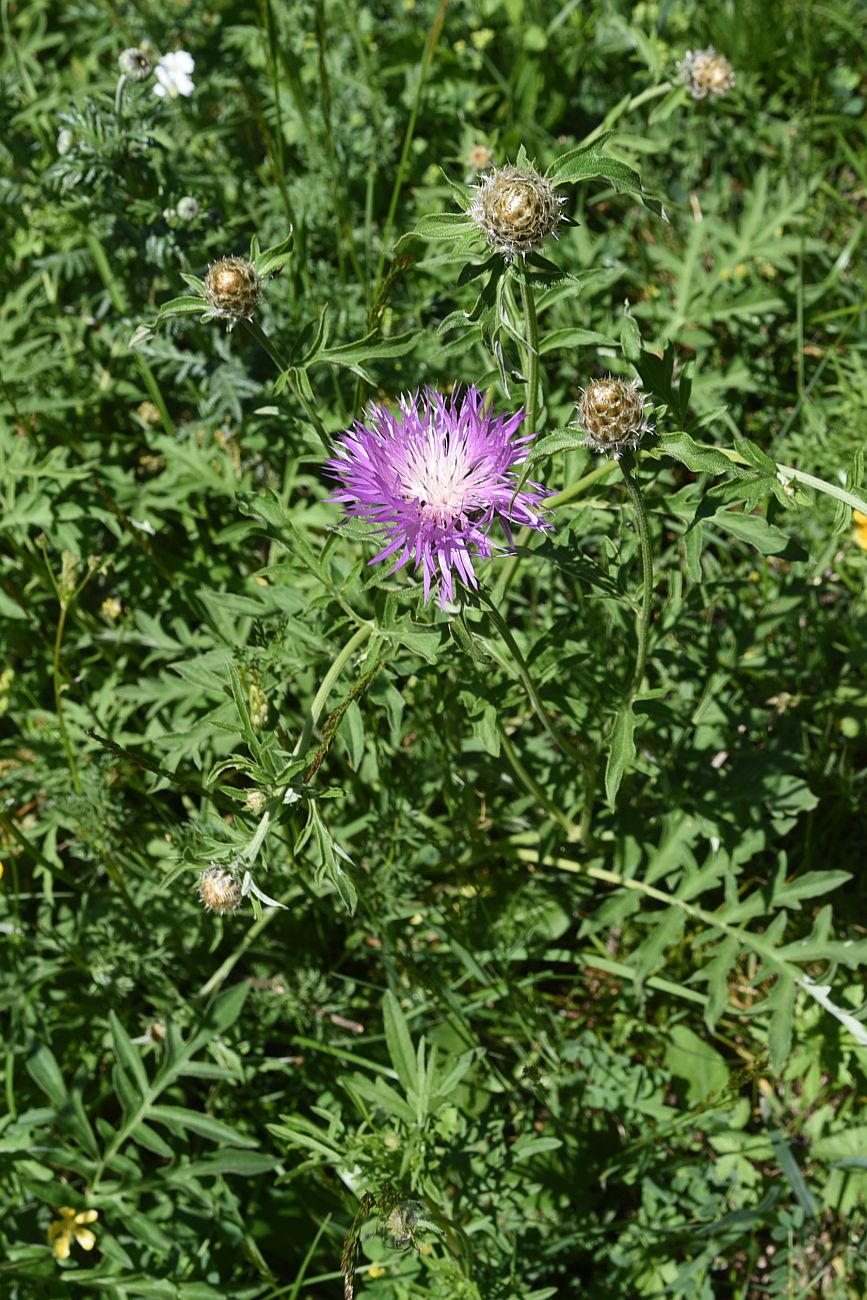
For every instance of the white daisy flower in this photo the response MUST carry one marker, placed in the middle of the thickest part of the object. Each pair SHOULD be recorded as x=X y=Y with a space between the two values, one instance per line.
x=173 y=74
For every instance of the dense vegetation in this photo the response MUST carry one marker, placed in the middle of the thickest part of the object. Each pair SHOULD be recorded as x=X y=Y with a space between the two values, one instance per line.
x=445 y=948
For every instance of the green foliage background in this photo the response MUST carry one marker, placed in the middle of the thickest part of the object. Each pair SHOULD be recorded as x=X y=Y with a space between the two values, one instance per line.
x=534 y=1019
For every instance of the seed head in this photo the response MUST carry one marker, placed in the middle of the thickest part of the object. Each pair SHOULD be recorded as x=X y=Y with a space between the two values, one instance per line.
x=135 y=64
x=233 y=289
x=219 y=891
x=516 y=210
x=188 y=208
x=704 y=72
x=611 y=413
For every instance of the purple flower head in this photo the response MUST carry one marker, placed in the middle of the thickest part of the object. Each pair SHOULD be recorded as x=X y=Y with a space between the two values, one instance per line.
x=434 y=477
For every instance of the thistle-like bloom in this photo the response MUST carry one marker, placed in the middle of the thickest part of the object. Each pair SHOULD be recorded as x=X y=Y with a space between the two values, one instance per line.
x=174 y=75
x=69 y=1226
x=135 y=64
x=434 y=477
x=516 y=210
x=704 y=72
x=233 y=289
x=611 y=413
x=219 y=891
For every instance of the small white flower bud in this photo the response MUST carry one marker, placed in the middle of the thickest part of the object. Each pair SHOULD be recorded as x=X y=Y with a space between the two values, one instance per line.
x=135 y=64
x=187 y=208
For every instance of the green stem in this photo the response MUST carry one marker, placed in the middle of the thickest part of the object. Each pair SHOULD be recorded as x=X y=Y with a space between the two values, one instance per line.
x=510 y=565
x=268 y=345
x=118 y=95
x=222 y=972
x=621 y=109
x=572 y=831
x=580 y=486
x=532 y=354
x=524 y=675
x=58 y=702
x=400 y=175
x=115 y=291
x=320 y=699
x=646 y=570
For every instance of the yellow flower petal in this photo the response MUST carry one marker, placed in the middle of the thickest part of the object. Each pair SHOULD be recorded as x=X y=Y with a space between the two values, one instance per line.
x=67 y=1211
x=85 y=1238
x=860 y=518
x=87 y=1216
x=62 y=1245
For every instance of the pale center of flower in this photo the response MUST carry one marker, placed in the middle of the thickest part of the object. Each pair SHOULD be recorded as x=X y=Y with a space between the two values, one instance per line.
x=440 y=481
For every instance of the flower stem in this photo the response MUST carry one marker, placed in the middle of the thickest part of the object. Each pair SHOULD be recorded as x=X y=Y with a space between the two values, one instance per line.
x=532 y=350
x=637 y=500
x=524 y=674
x=321 y=697
x=267 y=344
x=117 y=296
x=118 y=95
x=573 y=832
x=433 y=37
x=58 y=701
x=572 y=490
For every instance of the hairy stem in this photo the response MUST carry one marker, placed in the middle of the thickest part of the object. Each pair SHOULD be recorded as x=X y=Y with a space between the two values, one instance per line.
x=268 y=345
x=533 y=787
x=400 y=175
x=320 y=699
x=58 y=701
x=528 y=304
x=524 y=674
x=643 y=628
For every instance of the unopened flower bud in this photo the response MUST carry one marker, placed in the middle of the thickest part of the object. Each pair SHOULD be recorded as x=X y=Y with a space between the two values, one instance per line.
x=704 y=72
x=65 y=141
x=516 y=210
x=219 y=890
x=258 y=702
x=188 y=208
x=402 y=1223
x=611 y=413
x=233 y=288
x=480 y=157
x=135 y=64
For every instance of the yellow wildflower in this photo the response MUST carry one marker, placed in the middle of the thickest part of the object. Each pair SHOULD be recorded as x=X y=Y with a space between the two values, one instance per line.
x=376 y=1271
x=859 y=532
x=71 y=1225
